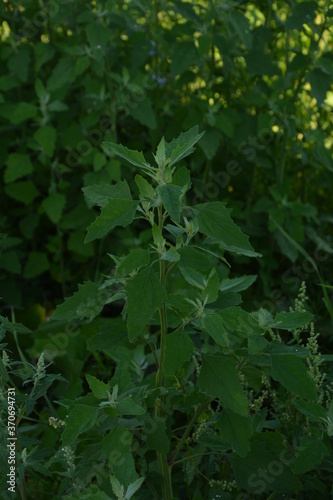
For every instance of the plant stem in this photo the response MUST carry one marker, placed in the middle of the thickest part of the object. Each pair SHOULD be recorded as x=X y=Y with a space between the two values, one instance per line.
x=187 y=432
x=162 y=461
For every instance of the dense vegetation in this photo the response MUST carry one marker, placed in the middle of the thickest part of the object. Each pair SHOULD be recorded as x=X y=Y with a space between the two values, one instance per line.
x=213 y=383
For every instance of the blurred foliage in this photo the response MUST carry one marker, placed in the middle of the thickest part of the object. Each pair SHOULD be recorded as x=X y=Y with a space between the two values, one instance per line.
x=256 y=76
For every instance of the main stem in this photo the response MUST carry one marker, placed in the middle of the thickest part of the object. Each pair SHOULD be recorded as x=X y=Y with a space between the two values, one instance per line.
x=162 y=459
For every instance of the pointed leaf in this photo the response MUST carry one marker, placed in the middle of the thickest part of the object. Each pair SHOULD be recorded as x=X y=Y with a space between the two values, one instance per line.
x=214 y=220
x=135 y=259
x=219 y=378
x=213 y=324
x=181 y=147
x=170 y=196
x=236 y=429
x=178 y=349
x=100 y=194
x=145 y=294
x=116 y=213
x=311 y=453
x=290 y=371
x=134 y=157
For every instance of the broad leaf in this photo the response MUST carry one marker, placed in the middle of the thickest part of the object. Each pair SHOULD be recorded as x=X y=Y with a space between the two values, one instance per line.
x=237 y=284
x=213 y=324
x=310 y=454
x=145 y=294
x=290 y=371
x=214 y=220
x=170 y=196
x=178 y=349
x=134 y=260
x=291 y=320
x=99 y=389
x=100 y=194
x=134 y=157
x=236 y=429
x=87 y=302
x=181 y=147
x=117 y=212
x=219 y=378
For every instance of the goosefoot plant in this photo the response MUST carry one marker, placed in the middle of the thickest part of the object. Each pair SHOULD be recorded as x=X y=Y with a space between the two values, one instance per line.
x=188 y=407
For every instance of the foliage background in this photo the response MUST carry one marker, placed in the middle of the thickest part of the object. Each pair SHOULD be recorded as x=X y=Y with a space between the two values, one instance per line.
x=256 y=76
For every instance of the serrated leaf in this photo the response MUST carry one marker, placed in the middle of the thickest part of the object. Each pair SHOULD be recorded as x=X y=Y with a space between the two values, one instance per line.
x=54 y=205
x=211 y=291
x=181 y=147
x=135 y=259
x=157 y=438
x=178 y=349
x=146 y=190
x=86 y=302
x=145 y=294
x=134 y=157
x=237 y=430
x=117 y=212
x=237 y=284
x=291 y=320
x=313 y=411
x=214 y=220
x=100 y=194
x=13 y=327
x=213 y=324
x=310 y=454
x=290 y=371
x=170 y=196
x=218 y=378
x=80 y=419
x=99 y=389
x=18 y=165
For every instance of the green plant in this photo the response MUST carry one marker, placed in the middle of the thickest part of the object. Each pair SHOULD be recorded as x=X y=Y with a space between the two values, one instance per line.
x=196 y=385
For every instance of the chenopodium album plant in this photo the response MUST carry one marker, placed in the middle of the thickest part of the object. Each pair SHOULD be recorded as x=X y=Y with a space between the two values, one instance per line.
x=203 y=399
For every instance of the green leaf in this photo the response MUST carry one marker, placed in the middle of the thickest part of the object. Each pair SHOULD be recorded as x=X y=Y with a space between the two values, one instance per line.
x=211 y=142
x=13 y=327
x=23 y=111
x=134 y=157
x=213 y=324
x=219 y=378
x=37 y=263
x=46 y=137
x=146 y=190
x=157 y=438
x=291 y=320
x=160 y=157
x=182 y=178
x=127 y=406
x=211 y=290
x=133 y=488
x=236 y=429
x=178 y=349
x=100 y=194
x=54 y=205
x=117 y=212
x=86 y=302
x=80 y=419
x=194 y=259
x=170 y=196
x=237 y=284
x=145 y=294
x=184 y=54
x=24 y=191
x=63 y=74
x=143 y=112
x=290 y=371
x=256 y=343
x=214 y=220
x=181 y=147
x=134 y=260
x=310 y=454
x=18 y=165
x=99 y=389
x=313 y=411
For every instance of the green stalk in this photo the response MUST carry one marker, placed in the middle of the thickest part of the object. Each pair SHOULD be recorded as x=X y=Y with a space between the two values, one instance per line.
x=162 y=459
